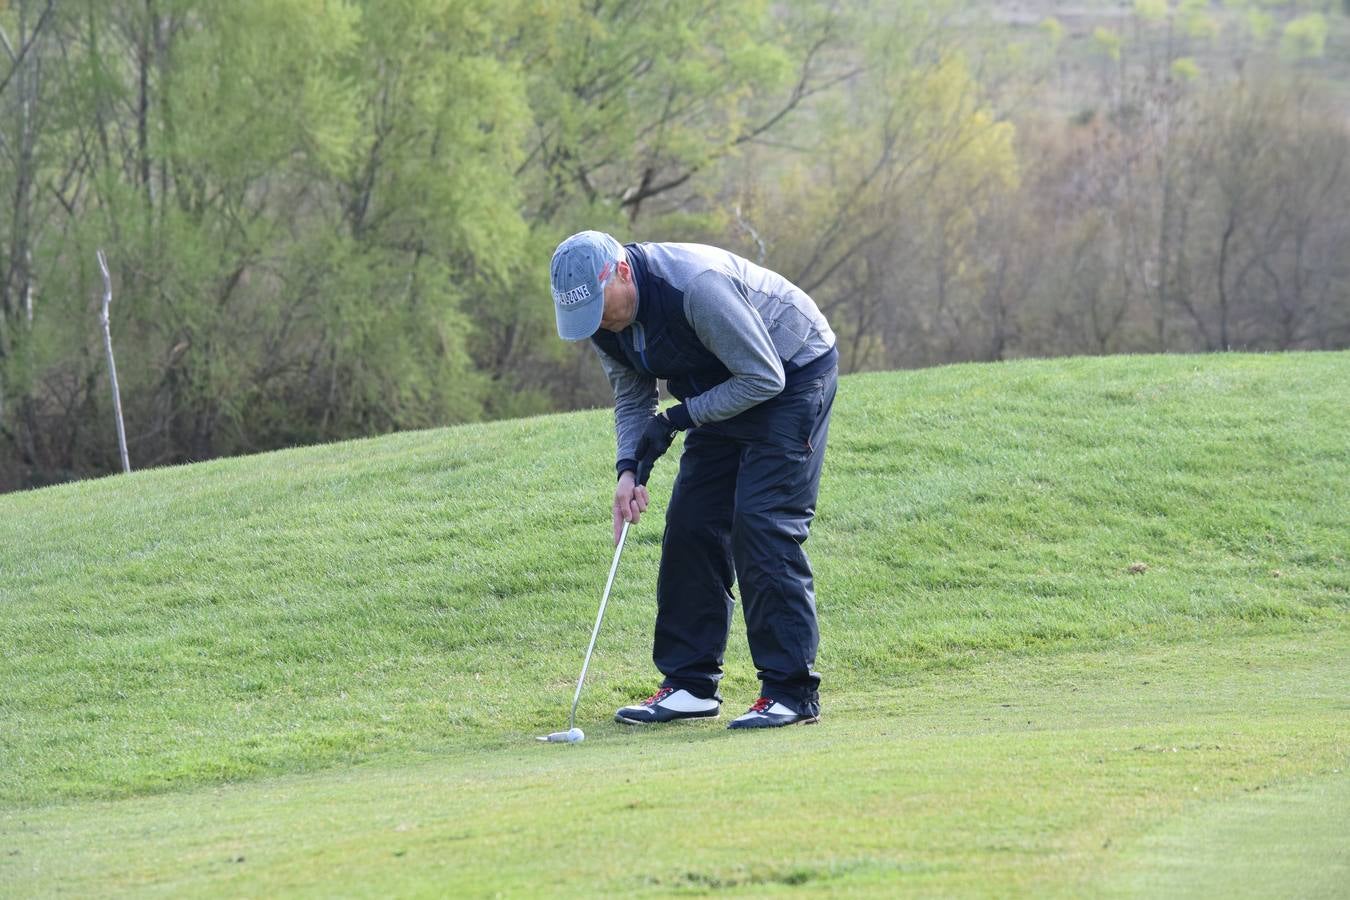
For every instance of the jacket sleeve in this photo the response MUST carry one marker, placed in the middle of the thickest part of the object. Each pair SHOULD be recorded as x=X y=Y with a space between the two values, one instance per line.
x=635 y=400
x=728 y=325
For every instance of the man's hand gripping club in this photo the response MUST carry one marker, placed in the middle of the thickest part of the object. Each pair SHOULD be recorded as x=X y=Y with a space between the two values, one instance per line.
x=630 y=497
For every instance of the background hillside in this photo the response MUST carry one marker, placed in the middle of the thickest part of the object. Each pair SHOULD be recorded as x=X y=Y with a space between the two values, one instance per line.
x=328 y=220
x=435 y=589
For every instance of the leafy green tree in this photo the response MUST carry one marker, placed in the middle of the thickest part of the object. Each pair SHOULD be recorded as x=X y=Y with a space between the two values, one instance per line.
x=1305 y=37
x=633 y=99
x=297 y=197
x=635 y=107
x=430 y=208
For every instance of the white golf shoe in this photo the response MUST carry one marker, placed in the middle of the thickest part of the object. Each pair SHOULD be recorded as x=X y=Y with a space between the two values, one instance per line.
x=667 y=705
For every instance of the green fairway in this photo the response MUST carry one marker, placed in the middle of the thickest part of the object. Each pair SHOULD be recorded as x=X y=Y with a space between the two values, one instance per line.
x=1027 y=775
x=1085 y=629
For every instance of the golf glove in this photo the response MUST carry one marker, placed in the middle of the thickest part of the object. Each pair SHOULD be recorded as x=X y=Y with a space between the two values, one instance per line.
x=655 y=440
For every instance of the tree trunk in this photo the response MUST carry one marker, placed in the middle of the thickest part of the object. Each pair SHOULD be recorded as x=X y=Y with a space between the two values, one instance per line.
x=1225 y=243
x=143 y=61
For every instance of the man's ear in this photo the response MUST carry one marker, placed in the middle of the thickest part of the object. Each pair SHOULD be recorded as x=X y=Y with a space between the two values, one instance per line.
x=625 y=271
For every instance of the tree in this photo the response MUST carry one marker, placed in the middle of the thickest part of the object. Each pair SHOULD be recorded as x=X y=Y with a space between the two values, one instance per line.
x=296 y=197
x=1269 y=218
x=879 y=220
x=25 y=36
x=635 y=107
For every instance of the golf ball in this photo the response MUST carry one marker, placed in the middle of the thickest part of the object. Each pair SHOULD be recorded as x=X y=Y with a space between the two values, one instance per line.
x=576 y=734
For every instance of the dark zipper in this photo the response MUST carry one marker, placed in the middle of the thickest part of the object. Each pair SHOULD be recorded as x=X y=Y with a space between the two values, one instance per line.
x=640 y=344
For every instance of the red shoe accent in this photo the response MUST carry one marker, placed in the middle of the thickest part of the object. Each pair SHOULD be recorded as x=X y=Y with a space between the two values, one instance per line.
x=660 y=695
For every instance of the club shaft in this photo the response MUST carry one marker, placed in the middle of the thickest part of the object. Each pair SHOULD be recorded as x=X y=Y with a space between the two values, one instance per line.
x=595 y=632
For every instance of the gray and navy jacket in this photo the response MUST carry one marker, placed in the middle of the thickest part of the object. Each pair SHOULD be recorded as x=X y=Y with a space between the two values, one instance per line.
x=724 y=333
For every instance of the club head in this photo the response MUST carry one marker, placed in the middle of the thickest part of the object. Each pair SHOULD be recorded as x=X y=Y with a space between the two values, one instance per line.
x=571 y=736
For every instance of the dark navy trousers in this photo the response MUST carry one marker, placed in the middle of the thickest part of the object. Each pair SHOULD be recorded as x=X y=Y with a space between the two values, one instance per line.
x=740 y=511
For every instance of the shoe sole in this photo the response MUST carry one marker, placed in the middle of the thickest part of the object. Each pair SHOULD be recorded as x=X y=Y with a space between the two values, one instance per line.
x=808 y=721
x=626 y=721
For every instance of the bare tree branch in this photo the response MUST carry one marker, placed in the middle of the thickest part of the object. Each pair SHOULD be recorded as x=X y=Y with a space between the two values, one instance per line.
x=23 y=51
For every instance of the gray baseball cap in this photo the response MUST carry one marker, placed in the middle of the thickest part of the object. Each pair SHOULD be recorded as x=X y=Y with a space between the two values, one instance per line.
x=581 y=266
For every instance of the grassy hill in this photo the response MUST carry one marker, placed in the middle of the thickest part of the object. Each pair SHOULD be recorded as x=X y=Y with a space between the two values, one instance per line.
x=1085 y=626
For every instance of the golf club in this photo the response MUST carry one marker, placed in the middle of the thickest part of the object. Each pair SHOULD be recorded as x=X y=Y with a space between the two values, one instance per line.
x=573 y=734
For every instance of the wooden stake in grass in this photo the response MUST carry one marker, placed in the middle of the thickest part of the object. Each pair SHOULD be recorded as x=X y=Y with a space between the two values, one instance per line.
x=112 y=365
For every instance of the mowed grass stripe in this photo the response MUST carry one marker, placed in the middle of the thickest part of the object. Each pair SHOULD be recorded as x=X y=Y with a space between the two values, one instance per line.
x=1286 y=840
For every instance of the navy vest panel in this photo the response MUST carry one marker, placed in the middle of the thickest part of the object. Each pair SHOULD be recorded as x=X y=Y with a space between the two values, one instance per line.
x=661 y=342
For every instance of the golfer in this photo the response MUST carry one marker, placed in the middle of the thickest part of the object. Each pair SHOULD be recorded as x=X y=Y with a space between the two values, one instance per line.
x=754 y=366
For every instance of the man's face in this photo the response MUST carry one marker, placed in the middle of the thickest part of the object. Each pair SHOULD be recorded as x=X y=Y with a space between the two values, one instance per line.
x=618 y=313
